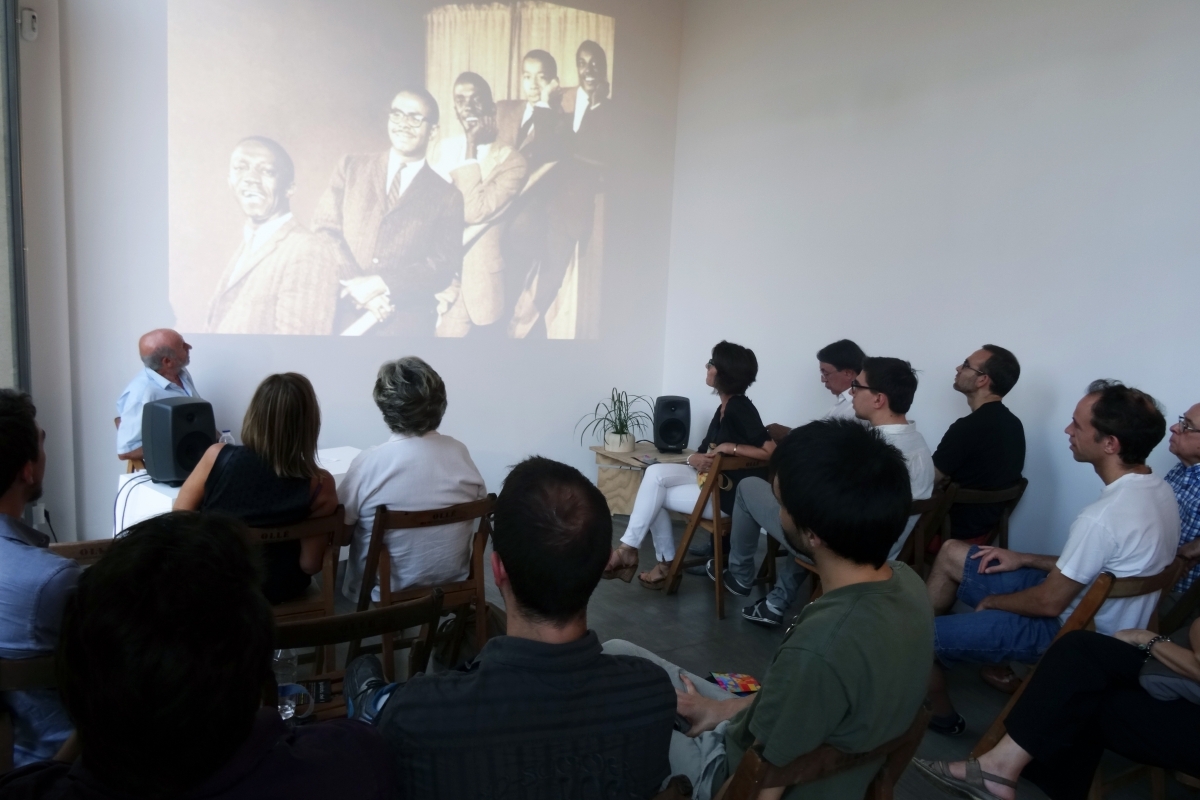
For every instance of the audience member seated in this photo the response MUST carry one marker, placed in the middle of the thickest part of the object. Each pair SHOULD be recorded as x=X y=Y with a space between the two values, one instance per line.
x=416 y=469
x=755 y=508
x=1134 y=693
x=271 y=479
x=852 y=672
x=1184 y=478
x=34 y=583
x=542 y=712
x=166 y=356
x=986 y=449
x=736 y=429
x=166 y=647
x=1022 y=599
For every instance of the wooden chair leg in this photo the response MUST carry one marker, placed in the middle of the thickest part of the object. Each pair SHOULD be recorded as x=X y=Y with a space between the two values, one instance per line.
x=675 y=573
x=387 y=652
x=1158 y=783
x=719 y=569
x=766 y=572
x=481 y=621
x=996 y=730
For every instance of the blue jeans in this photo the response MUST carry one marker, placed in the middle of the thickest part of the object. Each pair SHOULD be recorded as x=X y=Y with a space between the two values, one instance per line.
x=992 y=636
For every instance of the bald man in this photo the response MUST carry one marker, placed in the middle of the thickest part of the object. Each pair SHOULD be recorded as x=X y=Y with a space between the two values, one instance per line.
x=166 y=356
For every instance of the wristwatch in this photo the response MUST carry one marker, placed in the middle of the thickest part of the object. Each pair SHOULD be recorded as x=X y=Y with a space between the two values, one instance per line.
x=1145 y=648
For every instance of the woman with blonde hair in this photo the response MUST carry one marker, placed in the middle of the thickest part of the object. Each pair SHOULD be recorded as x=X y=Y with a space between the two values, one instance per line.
x=271 y=479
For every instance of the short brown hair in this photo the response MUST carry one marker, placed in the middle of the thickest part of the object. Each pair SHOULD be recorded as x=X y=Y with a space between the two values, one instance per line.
x=282 y=425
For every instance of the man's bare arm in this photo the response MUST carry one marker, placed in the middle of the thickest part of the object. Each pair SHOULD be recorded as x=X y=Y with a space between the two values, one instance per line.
x=1048 y=599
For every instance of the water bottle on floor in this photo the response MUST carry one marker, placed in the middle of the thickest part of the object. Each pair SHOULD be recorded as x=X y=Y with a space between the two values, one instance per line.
x=226 y=438
x=283 y=664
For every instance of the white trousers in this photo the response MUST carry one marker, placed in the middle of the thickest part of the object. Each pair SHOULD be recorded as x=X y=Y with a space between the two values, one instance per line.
x=665 y=487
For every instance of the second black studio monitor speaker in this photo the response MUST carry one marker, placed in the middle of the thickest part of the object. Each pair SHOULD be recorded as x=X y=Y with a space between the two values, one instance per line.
x=175 y=434
x=672 y=423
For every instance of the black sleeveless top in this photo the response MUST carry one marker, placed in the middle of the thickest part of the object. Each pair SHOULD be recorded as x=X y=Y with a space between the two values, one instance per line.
x=244 y=486
x=740 y=425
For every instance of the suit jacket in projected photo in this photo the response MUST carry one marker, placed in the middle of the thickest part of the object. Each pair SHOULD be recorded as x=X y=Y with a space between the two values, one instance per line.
x=444 y=175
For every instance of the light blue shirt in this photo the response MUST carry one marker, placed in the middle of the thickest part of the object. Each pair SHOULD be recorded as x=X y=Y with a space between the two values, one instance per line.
x=146 y=387
x=34 y=584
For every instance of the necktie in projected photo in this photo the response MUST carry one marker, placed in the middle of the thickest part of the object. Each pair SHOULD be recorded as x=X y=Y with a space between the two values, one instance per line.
x=526 y=127
x=394 y=191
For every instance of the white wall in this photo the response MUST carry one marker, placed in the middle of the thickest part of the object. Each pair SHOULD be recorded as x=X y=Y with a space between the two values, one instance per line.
x=507 y=399
x=926 y=176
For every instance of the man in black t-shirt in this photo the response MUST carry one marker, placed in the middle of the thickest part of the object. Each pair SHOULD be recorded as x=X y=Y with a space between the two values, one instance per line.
x=985 y=449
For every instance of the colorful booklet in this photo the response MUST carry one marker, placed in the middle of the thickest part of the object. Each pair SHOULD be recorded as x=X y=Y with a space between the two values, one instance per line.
x=736 y=682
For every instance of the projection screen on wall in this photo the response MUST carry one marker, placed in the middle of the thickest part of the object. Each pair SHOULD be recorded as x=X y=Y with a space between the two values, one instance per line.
x=388 y=168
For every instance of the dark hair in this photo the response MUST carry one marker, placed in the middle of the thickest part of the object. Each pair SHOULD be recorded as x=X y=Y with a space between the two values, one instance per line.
x=893 y=377
x=553 y=531
x=846 y=484
x=18 y=435
x=842 y=354
x=736 y=366
x=476 y=80
x=549 y=65
x=1002 y=367
x=164 y=652
x=430 y=103
x=283 y=161
x=1132 y=416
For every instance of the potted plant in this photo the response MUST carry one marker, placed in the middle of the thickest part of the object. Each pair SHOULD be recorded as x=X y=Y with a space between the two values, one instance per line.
x=618 y=420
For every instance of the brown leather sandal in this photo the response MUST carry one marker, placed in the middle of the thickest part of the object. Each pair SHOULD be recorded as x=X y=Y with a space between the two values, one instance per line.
x=659 y=582
x=971 y=785
x=621 y=567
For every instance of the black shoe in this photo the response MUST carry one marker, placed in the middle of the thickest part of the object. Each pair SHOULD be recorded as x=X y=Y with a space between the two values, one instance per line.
x=731 y=583
x=761 y=613
x=364 y=677
x=701 y=550
x=948 y=726
x=699 y=569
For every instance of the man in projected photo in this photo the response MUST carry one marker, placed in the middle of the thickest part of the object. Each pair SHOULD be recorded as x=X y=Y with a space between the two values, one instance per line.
x=533 y=124
x=398 y=224
x=489 y=175
x=282 y=278
x=588 y=106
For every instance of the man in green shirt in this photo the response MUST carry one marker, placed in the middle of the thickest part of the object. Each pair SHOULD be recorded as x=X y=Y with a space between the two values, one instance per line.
x=853 y=670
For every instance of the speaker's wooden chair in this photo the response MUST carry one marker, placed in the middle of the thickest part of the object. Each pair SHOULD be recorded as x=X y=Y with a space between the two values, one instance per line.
x=998 y=535
x=719 y=525
x=755 y=774
x=327 y=632
x=131 y=464
x=315 y=602
x=1175 y=616
x=460 y=596
x=1105 y=587
x=19 y=675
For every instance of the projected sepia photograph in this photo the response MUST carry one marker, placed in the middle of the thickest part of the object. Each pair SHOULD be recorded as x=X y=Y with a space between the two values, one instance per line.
x=417 y=170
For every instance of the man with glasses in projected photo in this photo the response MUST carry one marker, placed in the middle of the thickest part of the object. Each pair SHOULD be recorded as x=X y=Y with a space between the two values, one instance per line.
x=398 y=224
x=282 y=278
x=1184 y=479
x=490 y=175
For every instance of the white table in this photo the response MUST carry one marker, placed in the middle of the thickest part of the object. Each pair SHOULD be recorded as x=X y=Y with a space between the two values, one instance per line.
x=140 y=498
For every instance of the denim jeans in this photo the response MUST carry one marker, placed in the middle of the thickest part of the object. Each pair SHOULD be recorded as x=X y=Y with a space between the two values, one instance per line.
x=755 y=508
x=992 y=636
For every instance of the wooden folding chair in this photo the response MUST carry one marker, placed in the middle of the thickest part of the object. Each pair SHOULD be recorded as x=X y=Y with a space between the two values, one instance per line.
x=327 y=632
x=131 y=464
x=83 y=553
x=1178 y=614
x=460 y=596
x=315 y=603
x=754 y=773
x=998 y=535
x=719 y=526
x=19 y=675
x=1105 y=587
x=934 y=511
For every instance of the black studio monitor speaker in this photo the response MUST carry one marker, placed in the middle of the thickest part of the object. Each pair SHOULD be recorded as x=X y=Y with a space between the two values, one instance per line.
x=672 y=423
x=175 y=434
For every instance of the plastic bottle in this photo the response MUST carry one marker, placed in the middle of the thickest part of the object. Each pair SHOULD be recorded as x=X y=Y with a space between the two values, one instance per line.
x=283 y=664
x=226 y=437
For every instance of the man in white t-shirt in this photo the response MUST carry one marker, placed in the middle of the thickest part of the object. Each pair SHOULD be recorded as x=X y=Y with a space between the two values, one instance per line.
x=756 y=511
x=882 y=395
x=1022 y=599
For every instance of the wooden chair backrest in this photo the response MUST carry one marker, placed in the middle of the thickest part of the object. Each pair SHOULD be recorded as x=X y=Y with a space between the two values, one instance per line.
x=17 y=675
x=1105 y=587
x=83 y=553
x=754 y=773
x=333 y=526
x=933 y=511
x=359 y=624
x=1010 y=497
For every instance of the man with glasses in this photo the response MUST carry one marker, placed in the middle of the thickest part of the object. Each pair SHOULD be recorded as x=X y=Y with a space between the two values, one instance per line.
x=399 y=226
x=1184 y=478
x=984 y=450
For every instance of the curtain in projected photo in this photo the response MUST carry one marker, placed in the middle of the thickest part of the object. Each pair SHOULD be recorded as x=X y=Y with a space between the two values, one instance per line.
x=559 y=31
x=458 y=39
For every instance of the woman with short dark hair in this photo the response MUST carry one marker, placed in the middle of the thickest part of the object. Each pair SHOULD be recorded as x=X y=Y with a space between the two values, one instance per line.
x=416 y=469
x=271 y=479
x=736 y=429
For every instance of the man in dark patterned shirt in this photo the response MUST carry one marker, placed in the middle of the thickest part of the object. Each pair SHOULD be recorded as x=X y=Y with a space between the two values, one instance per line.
x=542 y=712
x=1184 y=478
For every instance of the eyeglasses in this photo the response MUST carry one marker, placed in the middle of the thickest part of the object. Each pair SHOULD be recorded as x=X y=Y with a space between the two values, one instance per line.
x=708 y=364
x=967 y=365
x=1187 y=427
x=855 y=386
x=403 y=117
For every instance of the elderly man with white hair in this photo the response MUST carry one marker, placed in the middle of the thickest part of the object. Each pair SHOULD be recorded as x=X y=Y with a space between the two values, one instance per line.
x=166 y=356
x=416 y=469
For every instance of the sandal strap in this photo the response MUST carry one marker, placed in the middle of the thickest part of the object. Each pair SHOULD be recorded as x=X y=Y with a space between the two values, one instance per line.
x=976 y=776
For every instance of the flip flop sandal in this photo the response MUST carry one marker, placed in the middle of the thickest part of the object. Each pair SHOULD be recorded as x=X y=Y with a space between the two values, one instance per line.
x=938 y=773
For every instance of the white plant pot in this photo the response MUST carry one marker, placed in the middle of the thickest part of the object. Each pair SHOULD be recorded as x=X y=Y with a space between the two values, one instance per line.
x=618 y=442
